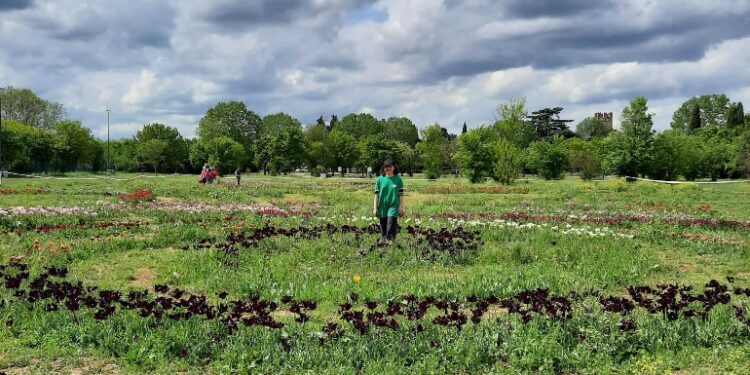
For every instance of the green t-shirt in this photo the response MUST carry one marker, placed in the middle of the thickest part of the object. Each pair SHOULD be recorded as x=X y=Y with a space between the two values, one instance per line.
x=388 y=190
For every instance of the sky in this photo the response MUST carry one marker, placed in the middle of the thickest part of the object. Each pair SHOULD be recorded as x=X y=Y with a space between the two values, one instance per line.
x=433 y=61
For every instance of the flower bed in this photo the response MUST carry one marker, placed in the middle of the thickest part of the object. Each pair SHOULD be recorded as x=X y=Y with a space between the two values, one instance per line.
x=614 y=219
x=46 y=211
x=138 y=197
x=454 y=189
x=50 y=291
x=197 y=208
x=24 y=191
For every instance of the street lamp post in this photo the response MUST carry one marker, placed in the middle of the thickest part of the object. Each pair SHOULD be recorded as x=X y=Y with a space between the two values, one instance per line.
x=108 y=161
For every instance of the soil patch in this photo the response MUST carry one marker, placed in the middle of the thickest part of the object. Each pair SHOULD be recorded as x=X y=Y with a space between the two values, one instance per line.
x=144 y=278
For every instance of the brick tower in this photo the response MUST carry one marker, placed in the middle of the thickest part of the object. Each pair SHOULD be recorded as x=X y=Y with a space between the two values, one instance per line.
x=605 y=117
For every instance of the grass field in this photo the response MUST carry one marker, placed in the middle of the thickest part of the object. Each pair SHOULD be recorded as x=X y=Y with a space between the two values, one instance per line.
x=542 y=287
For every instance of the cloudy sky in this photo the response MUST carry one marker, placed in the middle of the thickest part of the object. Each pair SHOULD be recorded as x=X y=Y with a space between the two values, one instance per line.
x=445 y=61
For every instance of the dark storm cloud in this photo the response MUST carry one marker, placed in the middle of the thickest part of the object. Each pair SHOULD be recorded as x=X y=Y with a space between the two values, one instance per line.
x=532 y=8
x=14 y=4
x=236 y=15
x=574 y=42
x=243 y=13
x=119 y=25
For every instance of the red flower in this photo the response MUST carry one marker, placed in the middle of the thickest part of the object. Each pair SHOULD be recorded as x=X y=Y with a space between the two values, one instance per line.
x=139 y=196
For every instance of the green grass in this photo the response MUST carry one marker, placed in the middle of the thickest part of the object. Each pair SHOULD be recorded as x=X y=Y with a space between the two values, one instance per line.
x=511 y=260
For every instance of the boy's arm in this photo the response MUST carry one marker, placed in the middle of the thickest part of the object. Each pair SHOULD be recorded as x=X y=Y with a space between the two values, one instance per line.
x=375 y=200
x=401 y=199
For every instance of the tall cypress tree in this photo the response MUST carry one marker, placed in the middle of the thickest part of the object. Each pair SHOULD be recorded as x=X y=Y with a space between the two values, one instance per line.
x=695 y=118
x=463 y=131
x=735 y=115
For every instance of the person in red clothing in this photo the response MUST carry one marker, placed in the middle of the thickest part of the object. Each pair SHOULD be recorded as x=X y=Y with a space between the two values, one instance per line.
x=204 y=176
x=212 y=174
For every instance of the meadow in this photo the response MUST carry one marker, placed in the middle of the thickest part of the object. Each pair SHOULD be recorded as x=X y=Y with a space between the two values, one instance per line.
x=284 y=275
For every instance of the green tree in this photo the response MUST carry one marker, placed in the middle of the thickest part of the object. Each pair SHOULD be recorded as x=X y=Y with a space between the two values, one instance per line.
x=152 y=152
x=316 y=133
x=360 y=125
x=591 y=128
x=373 y=150
x=585 y=157
x=671 y=155
x=281 y=145
x=315 y=139
x=692 y=158
x=73 y=146
x=735 y=115
x=14 y=147
x=25 y=148
x=224 y=154
x=231 y=119
x=433 y=151
x=175 y=154
x=549 y=159
x=718 y=158
x=477 y=153
x=548 y=124
x=198 y=154
x=98 y=160
x=123 y=155
x=507 y=163
x=742 y=146
x=23 y=106
x=636 y=126
x=401 y=129
x=341 y=150
x=512 y=125
x=406 y=156
x=713 y=110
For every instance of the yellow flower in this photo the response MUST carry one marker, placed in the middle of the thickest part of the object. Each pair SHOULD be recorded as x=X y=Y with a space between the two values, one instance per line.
x=356 y=279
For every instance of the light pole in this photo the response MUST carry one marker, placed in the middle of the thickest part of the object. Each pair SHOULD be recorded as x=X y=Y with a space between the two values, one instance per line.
x=108 y=111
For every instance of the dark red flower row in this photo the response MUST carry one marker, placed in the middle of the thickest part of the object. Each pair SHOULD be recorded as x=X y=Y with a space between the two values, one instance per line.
x=24 y=191
x=51 y=291
x=455 y=242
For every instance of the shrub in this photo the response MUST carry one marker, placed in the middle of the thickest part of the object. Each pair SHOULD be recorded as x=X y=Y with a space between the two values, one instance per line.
x=508 y=162
x=549 y=160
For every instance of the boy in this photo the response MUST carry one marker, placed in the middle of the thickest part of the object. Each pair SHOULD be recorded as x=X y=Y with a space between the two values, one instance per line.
x=388 y=202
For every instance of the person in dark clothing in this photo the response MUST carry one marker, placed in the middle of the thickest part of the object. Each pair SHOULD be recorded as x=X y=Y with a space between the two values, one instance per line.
x=238 y=174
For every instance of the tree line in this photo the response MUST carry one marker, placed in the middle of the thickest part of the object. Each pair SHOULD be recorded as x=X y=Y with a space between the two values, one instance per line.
x=709 y=138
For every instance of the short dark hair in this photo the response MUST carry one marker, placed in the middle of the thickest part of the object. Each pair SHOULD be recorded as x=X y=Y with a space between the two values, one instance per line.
x=396 y=171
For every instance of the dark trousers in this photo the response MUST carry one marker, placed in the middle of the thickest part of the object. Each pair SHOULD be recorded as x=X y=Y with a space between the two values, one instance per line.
x=389 y=227
x=238 y=180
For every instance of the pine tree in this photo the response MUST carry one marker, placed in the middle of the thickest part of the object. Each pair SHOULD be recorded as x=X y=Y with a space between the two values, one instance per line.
x=464 y=130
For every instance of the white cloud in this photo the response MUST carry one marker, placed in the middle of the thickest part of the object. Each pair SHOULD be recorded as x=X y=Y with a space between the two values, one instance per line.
x=144 y=88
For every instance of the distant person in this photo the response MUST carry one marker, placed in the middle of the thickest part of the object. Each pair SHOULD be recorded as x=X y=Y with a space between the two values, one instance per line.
x=204 y=176
x=388 y=202
x=238 y=175
x=212 y=175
